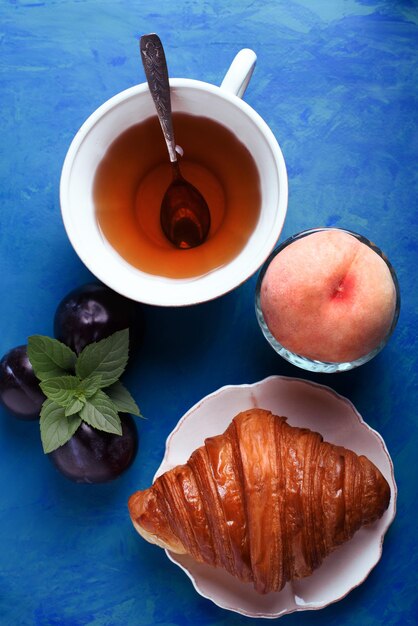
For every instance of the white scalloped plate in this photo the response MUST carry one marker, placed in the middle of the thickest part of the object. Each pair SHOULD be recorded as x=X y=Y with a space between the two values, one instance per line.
x=318 y=408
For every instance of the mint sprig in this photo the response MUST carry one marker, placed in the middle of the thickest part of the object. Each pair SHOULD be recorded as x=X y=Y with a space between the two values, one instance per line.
x=74 y=386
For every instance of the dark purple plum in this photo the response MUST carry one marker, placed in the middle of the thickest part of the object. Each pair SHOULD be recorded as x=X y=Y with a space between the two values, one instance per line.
x=92 y=312
x=94 y=456
x=19 y=388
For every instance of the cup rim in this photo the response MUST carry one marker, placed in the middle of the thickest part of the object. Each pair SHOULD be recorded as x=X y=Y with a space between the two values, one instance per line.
x=306 y=363
x=173 y=292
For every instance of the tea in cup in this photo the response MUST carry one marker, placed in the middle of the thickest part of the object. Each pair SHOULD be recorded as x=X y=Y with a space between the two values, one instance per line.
x=117 y=170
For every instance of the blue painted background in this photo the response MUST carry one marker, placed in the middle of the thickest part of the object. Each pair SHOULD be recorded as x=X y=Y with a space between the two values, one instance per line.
x=337 y=82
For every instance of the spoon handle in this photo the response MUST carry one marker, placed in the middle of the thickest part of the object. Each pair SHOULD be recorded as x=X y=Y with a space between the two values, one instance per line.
x=156 y=72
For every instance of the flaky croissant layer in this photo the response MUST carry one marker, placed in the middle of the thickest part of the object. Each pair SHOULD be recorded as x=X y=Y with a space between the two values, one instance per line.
x=266 y=501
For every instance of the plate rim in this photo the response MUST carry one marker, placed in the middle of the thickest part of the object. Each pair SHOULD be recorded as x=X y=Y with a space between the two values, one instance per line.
x=362 y=423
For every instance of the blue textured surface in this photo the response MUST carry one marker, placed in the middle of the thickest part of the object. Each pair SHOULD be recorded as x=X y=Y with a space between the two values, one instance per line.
x=337 y=82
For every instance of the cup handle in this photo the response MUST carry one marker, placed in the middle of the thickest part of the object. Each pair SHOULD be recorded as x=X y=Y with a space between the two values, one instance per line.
x=240 y=71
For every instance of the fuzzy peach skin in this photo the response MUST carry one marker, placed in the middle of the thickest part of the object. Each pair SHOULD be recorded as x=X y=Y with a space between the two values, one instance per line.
x=328 y=297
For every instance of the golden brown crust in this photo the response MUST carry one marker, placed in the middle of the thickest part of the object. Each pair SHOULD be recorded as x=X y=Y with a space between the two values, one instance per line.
x=265 y=501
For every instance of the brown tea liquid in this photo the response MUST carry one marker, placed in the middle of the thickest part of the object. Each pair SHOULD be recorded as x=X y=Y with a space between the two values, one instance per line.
x=134 y=174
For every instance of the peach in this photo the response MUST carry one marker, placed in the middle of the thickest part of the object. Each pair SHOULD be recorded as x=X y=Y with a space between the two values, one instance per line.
x=329 y=297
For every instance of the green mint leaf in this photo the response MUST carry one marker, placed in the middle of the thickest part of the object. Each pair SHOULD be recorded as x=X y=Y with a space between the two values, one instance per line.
x=100 y=412
x=122 y=399
x=90 y=385
x=107 y=358
x=56 y=427
x=49 y=357
x=62 y=389
x=74 y=407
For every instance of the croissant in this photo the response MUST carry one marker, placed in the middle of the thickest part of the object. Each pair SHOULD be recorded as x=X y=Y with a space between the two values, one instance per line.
x=265 y=500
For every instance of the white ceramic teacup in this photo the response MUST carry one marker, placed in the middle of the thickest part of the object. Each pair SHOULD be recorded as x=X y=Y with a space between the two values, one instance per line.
x=222 y=104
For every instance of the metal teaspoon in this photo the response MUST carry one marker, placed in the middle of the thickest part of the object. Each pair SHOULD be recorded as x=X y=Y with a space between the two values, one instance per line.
x=184 y=214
